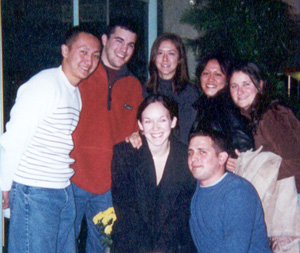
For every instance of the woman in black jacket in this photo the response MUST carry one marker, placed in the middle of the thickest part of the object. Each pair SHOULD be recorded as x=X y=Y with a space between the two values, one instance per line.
x=152 y=186
x=215 y=108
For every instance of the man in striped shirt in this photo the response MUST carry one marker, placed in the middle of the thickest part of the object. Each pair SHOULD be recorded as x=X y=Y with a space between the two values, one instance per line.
x=35 y=164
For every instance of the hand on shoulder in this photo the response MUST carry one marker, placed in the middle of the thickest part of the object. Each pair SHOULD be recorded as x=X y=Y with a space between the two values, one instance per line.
x=135 y=140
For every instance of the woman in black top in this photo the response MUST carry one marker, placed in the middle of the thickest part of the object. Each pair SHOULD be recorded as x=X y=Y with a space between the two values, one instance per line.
x=215 y=108
x=152 y=186
x=169 y=76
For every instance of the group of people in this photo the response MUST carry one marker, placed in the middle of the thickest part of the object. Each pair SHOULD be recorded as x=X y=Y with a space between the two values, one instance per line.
x=162 y=154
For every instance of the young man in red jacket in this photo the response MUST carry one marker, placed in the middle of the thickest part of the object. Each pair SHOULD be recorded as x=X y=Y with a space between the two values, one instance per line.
x=110 y=98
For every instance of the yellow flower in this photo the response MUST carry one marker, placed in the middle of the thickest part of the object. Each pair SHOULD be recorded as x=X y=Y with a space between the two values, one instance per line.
x=106 y=220
x=108 y=229
x=98 y=217
x=101 y=215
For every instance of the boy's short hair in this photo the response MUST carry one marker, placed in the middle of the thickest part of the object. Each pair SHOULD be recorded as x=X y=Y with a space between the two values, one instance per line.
x=219 y=139
x=122 y=22
x=73 y=32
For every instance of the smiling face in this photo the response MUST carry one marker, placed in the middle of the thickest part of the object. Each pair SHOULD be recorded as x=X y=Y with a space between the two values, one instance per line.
x=242 y=90
x=166 y=60
x=156 y=124
x=212 y=78
x=81 y=58
x=206 y=165
x=118 y=48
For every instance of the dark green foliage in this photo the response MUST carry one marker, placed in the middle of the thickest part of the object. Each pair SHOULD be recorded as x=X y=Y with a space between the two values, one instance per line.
x=262 y=31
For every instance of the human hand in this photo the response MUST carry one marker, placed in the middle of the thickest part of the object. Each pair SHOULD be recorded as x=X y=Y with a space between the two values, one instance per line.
x=231 y=162
x=5 y=199
x=135 y=140
x=278 y=243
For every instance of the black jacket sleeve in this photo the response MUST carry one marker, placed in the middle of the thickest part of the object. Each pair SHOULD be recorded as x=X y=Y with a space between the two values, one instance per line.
x=220 y=114
x=129 y=226
x=239 y=137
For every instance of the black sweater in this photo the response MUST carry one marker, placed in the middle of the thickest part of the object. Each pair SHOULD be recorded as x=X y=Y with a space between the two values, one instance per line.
x=186 y=112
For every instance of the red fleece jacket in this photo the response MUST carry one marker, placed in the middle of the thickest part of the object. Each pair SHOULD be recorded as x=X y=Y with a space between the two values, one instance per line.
x=99 y=129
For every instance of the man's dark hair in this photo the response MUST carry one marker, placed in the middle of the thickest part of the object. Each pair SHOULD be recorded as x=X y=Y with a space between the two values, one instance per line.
x=73 y=32
x=219 y=140
x=122 y=22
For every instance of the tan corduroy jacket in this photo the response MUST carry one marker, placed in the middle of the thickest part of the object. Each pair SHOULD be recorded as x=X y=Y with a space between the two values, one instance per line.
x=279 y=197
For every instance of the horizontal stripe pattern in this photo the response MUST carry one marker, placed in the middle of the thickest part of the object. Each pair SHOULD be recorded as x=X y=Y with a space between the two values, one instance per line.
x=46 y=161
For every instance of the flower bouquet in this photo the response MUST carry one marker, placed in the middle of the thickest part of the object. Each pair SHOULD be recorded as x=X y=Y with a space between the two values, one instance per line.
x=104 y=222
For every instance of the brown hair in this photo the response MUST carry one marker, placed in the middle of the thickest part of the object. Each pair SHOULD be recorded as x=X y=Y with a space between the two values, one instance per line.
x=263 y=99
x=181 y=75
x=169 y=104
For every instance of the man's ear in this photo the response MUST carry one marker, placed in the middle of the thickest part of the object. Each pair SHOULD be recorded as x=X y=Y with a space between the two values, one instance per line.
x=104 y=39
x=140 y=125
x=64 y=50
x=223 y=156
x=174 y=121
